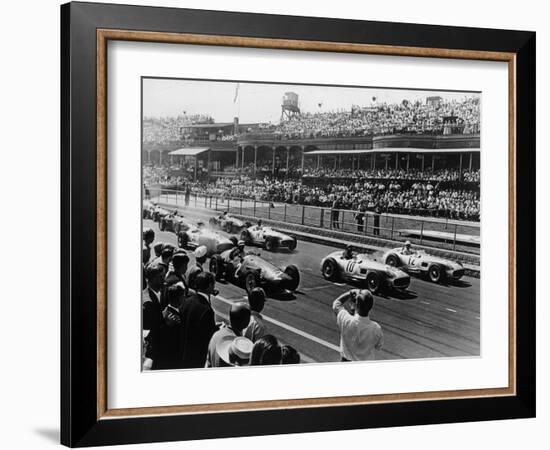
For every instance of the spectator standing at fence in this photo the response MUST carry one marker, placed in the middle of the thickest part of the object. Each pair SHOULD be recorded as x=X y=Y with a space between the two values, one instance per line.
x=360 y=217
x=198 y=323
x=377 y=212
x=335 y=213
x=187 y=195
x=360 y=337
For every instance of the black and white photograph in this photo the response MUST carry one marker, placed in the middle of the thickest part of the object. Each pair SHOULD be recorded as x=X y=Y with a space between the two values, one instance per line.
x=295 y=224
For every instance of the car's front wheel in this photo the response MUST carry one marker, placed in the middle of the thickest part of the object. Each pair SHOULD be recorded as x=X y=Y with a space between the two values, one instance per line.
x=373 y=282
x=330 y=270
x=216 y=267
x=435 y=273
x=251 y=281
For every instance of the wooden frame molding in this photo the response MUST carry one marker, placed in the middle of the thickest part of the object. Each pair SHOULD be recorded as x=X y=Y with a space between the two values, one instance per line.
x=103 y=36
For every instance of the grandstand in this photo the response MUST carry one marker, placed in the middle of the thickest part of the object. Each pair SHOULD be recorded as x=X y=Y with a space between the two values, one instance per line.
x=418 y=157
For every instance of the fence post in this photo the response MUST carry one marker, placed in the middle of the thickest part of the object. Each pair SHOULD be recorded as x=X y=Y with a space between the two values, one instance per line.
x=421 y=232
x=269 y=210
x=241 y=206
x=254 y=207
x=392 y=225
x=454 y=240
x=303 y=210
x=195 y=200
x=366 y=223
x=284 y=216
x=216 y=203
x=228 y=202
x=322 y=218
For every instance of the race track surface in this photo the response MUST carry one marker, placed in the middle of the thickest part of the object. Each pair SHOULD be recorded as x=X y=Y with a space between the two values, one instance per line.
x=428 y=321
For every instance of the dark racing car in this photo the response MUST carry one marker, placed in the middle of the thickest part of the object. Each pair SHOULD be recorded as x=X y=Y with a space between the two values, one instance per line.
x=253 y=271
x=174 y=222
x=228 y=223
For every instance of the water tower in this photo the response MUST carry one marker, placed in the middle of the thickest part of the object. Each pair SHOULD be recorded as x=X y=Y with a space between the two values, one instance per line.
x=289 y=106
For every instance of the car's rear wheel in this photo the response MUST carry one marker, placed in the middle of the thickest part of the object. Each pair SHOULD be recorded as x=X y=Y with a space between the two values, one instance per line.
x=373 y=282
x=330 y=270
x=393 y=260
x=270 y=244
x=230 y=271
x=293 y=272
x=292 y=245
x=251 y=281
x=183 y=240
x=216 y=267
x=435 y=273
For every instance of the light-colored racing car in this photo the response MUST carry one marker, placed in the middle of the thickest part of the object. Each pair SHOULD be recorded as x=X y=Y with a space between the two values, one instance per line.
x=195 y=236
x=268 y=238
x=421 y=263
x=365 y=271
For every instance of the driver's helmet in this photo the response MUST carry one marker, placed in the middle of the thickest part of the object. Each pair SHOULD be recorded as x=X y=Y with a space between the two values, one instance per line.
x=260 y=222
x=348 y=251
x=240 y=245
x=408 y=245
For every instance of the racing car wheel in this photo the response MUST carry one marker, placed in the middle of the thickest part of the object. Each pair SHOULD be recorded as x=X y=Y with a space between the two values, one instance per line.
x=294 y=274
x=183 y=240
x=393 y=260
x=330 y=270
x=216 y=267
x=251 y=281
x=373 y=282
x=435 y=273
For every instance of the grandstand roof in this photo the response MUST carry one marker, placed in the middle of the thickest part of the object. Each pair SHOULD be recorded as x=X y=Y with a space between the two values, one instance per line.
x=189 y=151
x=392 y=150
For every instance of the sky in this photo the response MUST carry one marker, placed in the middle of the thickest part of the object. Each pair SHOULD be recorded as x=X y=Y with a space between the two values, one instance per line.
x=261 y=102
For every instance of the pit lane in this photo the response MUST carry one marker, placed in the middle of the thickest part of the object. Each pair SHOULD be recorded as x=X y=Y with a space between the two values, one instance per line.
x=429 y=321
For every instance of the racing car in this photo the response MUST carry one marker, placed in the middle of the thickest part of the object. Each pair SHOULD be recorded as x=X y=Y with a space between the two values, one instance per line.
x=254 y=271
x=268 y=238
x=195 y=236
x=365 y=271
x=174 y=222
x=420 y=263
x=228 y=223
x=148 y=209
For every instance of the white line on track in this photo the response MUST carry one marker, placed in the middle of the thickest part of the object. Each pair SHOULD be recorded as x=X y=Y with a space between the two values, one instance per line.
x=289 y=328
x=451 y=310
x=426 y=303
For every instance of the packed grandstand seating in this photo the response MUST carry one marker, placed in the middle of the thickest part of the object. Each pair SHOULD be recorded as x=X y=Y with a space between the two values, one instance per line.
x=426 y=194
x=446 y=117
x=405 y=117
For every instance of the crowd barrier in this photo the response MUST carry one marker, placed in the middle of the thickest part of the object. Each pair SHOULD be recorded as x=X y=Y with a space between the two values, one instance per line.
x=450 y=234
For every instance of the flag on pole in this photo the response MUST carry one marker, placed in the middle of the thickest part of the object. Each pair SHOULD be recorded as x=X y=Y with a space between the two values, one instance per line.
x=236 y=92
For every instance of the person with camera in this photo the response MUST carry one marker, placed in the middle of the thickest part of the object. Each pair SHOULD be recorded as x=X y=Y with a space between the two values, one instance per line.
x=360 y=337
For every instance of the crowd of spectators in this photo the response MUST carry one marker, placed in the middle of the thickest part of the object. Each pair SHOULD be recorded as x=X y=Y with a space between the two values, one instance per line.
x=422 y=197
x=445 y=117
x=411 y=174
x=180 y=327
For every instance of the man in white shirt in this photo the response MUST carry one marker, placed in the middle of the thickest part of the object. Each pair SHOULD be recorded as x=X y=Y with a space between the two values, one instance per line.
x=360 y=337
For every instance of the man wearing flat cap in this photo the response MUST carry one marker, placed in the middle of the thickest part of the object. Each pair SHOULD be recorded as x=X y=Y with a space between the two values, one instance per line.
x=239 y=317
x=176 y=275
